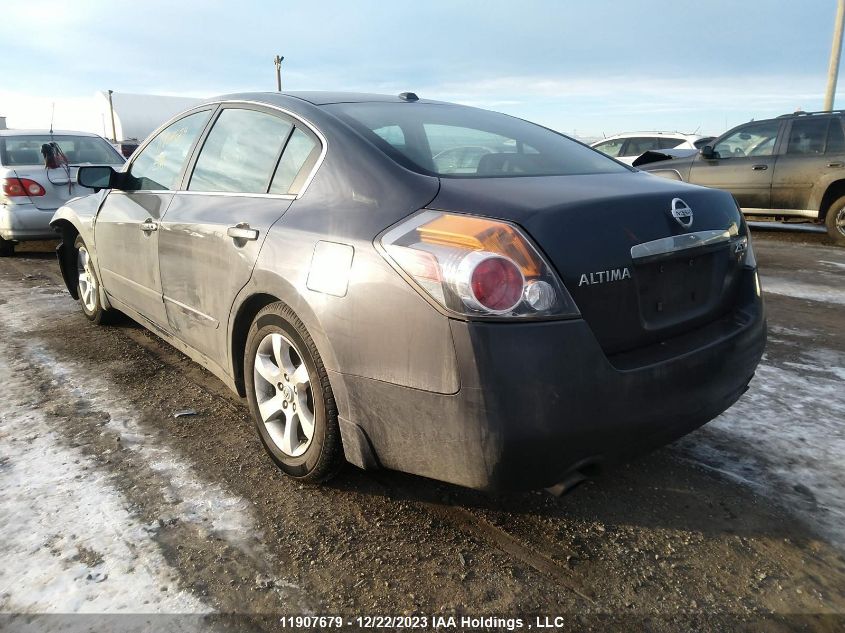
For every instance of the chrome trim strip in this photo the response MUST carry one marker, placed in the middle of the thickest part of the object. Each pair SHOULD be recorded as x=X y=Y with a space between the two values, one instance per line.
x=212 y=105
x=676 y=243
x=801 y=213
x=235 y=194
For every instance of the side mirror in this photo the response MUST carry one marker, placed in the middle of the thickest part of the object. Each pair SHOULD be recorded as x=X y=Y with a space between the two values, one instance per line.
x=96 y=177
x=707 y=151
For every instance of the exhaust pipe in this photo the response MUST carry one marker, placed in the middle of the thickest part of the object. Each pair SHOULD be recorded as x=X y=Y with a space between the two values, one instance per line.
x=572 y=480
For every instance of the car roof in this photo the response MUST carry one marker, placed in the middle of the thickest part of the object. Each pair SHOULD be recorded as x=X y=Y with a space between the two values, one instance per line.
x=17 y=132
x=802 y=113
x=668 y=134
x=318 y=97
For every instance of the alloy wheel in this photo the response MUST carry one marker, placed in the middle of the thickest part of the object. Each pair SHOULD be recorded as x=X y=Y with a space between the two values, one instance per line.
x=283 y=393
x=87 y=281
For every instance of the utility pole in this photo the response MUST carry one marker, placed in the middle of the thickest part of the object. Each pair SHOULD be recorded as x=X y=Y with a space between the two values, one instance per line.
x=278 y=61
x=835 y=52
x=111 y=108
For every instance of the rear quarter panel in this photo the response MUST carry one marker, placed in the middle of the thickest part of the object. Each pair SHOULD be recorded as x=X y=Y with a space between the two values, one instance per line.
x=381 y=328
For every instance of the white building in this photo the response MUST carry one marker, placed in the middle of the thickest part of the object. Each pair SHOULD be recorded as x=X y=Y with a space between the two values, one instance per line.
x=136 y=115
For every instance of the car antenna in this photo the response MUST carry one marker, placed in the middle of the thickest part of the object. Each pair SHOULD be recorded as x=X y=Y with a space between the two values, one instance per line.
x=52 y=116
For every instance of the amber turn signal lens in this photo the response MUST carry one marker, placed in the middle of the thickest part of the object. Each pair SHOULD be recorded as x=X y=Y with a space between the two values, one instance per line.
x=471 y=233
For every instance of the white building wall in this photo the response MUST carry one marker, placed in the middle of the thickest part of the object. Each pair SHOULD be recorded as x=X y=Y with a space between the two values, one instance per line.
x=136 y=115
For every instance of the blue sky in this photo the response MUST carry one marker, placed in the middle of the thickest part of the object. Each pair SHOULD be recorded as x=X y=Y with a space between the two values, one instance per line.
x=587 y=67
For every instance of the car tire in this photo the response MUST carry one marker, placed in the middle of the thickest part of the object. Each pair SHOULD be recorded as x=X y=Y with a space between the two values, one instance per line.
x=88 y=286
x=835 y=221
x=7 y=248
x=290 y=396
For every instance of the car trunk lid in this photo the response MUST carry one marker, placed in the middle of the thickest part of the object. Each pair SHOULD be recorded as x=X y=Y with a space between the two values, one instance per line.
x=59 y=185
x=637 y=274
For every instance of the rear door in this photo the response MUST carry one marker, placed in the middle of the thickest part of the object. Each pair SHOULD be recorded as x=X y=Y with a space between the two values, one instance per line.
x=243 y=179
x=743 y=164
x=815 y=149
x=126 y=230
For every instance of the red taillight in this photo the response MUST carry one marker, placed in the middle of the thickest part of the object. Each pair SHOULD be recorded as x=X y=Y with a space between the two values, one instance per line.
x=476 y=267
x=18 y=187
x=497 y=284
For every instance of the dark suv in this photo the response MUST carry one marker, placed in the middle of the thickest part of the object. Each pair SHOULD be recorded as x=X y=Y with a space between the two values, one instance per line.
x=789 y=167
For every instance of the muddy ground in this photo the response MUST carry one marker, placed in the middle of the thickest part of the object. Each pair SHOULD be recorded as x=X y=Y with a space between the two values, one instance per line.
x=110 y=504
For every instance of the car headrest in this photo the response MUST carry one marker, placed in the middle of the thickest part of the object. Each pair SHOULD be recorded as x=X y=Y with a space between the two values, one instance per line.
x=508 y=163
x=25 y=157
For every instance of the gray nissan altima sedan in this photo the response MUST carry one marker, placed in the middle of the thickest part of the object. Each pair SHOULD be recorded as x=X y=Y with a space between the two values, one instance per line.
x=423 y=286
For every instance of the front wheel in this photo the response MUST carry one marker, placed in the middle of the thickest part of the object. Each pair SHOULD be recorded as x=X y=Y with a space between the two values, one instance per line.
x=835 y=221
x=290 y=396
x=88 y=286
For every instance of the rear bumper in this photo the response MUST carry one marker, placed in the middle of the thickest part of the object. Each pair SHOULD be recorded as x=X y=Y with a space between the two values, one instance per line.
x=26 y=222
x=538 y=400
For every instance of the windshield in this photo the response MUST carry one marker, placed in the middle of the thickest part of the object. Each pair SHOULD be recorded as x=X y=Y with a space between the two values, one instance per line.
x=80 y=150
x=461 y=142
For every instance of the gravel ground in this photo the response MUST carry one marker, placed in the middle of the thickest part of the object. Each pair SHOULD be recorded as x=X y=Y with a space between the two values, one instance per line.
x=109 y=504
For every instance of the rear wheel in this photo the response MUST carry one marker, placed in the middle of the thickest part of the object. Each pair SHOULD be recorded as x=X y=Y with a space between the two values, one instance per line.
x=835 y=221
x=7 y=248
x=88 y=286
x=290 y=396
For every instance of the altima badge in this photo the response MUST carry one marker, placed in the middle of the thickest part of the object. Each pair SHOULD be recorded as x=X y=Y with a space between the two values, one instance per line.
x=604 y=276
x=681 y=212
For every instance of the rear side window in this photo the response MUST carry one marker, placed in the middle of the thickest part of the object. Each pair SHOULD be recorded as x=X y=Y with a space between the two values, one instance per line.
x=835 y=138
x=461 y=142
x=240 y=152
x=669 y=143
x=159 y=165
x=299 y=157
x=637 y=146
x=807 y=136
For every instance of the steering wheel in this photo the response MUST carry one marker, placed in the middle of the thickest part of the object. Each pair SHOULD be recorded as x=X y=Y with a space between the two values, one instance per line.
x=738 y=152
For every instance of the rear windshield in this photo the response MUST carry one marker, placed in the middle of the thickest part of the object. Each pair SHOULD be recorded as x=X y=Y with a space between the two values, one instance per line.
x=461 y=142
x=80 y=150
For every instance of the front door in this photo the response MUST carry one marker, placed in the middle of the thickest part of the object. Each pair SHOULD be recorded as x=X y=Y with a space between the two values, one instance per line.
x=213 y=231
x=126 y=229
x=743 y=164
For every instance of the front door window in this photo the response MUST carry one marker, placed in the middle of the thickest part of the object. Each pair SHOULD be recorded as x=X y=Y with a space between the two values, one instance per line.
x=159 y=165
x=755 y=139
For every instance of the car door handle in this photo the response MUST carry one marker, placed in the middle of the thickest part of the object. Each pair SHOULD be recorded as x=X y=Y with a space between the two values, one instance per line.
x=148 y=225
x=759 y=167
x=836 y=164
x=242 y=232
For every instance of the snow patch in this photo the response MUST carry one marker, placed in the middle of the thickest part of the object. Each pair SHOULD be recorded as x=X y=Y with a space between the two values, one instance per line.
x=811 y=292
x=786 y=438
x=832 y=264
x=70 y=544
x=207 y=505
